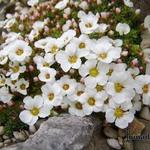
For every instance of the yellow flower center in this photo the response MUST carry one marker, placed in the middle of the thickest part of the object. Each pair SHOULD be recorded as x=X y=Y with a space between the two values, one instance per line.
x=54 y=49
x=118 y=112
x=93 y=72
x=19 y=52
x=82 y=45
x=47 y=76
x=15 y=69
x=89 y=25
x=66 y=87
x=146 y=88
x=79 y=93
x=103 y=55
x=51 y=96
x=72 y=59
x=22 y=86
x=78 y=105
x=99 y=88
x=46 y=64
x=91 y=101
x=2 y=81
x=118 y=87
x=35 y=111
x=110 y=72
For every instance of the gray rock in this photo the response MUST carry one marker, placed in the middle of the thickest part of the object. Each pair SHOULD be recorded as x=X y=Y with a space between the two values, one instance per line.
x=110 y=132
x=145 y=143
x=145 y=113
x=1 y=144
x=66 y=133
x=1 y=130
x=113 y=143
x=5 y=137
x=20 y=136
x=8 y=141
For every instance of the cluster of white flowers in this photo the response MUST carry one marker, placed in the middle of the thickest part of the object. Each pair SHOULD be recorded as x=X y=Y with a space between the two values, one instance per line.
x=78 y=73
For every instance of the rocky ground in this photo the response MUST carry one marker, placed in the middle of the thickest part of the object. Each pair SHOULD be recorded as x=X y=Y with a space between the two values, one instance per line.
x=73 y=133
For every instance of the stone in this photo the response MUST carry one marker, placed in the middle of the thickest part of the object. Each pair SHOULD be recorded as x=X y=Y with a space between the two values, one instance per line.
x=136 y=127
x=121 y=133
x=145 y=113
x=1 y=130
x=8 y=141
x=32 y=129
x=128 y=145
x=110 y=132
x=5 y=137
x=66 y=132
x=20 y=136
x=145 y=143
x=113 y=143
x=1 y=144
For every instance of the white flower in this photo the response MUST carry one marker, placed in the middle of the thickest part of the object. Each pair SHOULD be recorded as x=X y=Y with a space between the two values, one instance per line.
x=42 y=43
x=45 y=62
x=120 y=87
x=2 y=80
x=78 y=93
x=32 y=2
x=88 y=23
x=3 y=59
x=14 y=70
x=5 y=96
x=66 y=37
x=62 y=4
x=11 y=84
x=147 y=22
x=18 y=50
x=69 y=58
x=128 y=3
x=143 y=87
x=83 y=5
x=134 y=71
x=123 y=28
x=83 y=44
x=67 y=85
x=137 y=104
x=76 y=108
x=93 y=73
x=121 y=67
x=21 y=86
x=38 y=26
x=34 y=109
x=53 y=46
x=32 y=35
x=103 y=27
x=120 y=115
x=105 y=51
x=93 y=102
x=52 y=94
x=10 y=22
x=47 y=74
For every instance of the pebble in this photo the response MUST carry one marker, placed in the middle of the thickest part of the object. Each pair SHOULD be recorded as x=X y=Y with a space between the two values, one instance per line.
x=1 y=130
x=13 y=140
x=5 y=137
x=122 y=133
x=110 y=132
x=128 y=145
x=20 y=136
x=113 y=143
x=145 y=113
x=8 y=141
x=32 y=129
x=136 y=127
x=1 y=144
